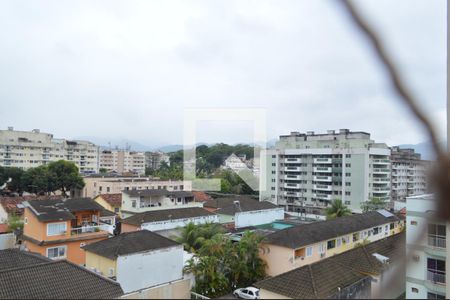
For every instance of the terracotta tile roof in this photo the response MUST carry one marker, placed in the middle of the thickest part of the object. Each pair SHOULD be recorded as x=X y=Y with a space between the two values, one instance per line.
x=37 y=278
x=201 y=196
x=130 y=243
x=9 y=204
x=166 y=214
x=112 y=199
x=3 y=228
x=306 y=234
x=63 y=209
x=322 y=279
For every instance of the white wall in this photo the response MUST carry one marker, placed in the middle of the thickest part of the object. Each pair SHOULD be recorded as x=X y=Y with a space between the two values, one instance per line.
x=172 y=224
x=3 y=215
x=258 y=217
x=7 y=241
x=147 y=269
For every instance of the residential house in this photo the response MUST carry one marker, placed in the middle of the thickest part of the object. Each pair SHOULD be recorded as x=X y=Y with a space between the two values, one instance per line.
x=111 y=202
x=137 y=201
x=100 y=184
x=12 y=206
x=200 y=196
x=58 y=228
x=304 y=244
x=26 y=275
x=242 y=211
x=373 y=271
x=427 y=243
x=141 y=260
x=168 y=219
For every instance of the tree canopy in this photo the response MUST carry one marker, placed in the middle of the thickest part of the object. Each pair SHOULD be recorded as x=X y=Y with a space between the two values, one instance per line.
x=56 y=176
x=373 y=204
x=337 y=210
x=220 y=265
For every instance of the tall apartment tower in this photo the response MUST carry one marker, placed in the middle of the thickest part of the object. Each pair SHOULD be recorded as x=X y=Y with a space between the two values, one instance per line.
x=28 y=149
x=409 y=174
x=315 y=169
x=122 y=161
x=153 y=160
x=426 y=243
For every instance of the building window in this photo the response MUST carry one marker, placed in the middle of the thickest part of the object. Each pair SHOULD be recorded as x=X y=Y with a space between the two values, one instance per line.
x=356 y=236
x=347 y=203
x=56 y=228
x=133 y=203
x=437 y=235
x=108 y=189
x=57 y=252
x=375 y=230
x=116 y=210
x=100 y=188
x=309 y=251
x=434 y=296
x=414 y=290
x=25 y=220
x=391 y=226
x=331 y=244
x=82 y=245
x=436 y=270
x=322 y=248
x=338 y=242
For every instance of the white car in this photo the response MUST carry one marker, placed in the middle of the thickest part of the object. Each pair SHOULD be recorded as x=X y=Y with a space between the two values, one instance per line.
x=247 y=293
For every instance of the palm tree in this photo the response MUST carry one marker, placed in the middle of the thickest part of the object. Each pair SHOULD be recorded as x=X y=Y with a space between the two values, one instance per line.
x=194 y=236
x=337 y=210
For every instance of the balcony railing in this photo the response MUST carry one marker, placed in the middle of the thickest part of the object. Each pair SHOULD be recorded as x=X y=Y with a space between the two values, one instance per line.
x=437 y=241
x=88 y=229
x=435 y=277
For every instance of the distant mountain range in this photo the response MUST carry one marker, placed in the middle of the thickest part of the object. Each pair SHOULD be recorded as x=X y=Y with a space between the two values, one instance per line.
x=423 y=148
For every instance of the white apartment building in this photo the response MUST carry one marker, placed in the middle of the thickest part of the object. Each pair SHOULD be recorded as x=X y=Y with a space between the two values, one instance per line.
x=408 y=177
x=315 y=169
x=122 y=161
x=426 y=244
x=28 y=149
x=96 y=185
x=153 y=160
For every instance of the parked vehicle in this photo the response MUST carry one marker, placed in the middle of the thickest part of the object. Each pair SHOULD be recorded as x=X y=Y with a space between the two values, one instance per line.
x=247 y=293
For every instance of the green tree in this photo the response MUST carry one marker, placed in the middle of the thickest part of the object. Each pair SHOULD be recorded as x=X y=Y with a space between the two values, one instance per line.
x=220 y=265
x=337 y=210
x=103 y=171
x=14 y=175
x=38 y=181
x=248 y=267
x=14 y=222
x=373 y=204
x=65 y=176
x=194 y=236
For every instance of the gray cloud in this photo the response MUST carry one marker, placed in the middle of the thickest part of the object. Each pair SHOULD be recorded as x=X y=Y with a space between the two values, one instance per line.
x=128 y=70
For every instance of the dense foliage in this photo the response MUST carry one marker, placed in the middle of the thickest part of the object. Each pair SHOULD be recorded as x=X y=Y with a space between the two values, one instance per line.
x=337 y=210
x=209 y=160
x=220 y=265
x=56 y=176
x=373 y=204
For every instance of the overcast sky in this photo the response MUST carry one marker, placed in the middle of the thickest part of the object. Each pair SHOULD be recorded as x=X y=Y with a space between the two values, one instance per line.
x=128 y=69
